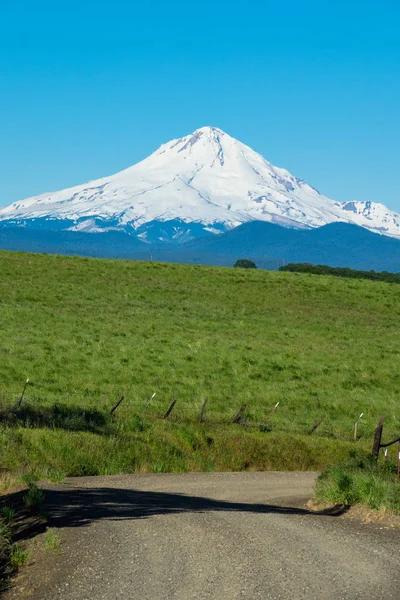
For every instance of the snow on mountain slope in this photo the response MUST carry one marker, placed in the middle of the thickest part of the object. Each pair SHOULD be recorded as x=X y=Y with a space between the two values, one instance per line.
x=206 y=178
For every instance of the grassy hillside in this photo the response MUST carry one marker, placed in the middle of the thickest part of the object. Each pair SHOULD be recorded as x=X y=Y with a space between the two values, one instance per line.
x=86 y=331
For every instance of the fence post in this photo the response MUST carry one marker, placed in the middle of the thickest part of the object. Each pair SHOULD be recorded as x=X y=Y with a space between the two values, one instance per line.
x=23 y=392
x=116 y=405
x=398 y=462
x=238 y=417
x=356 y=427
x=203 y=410
x=169 y=411
x=317 y=424
x=271 y=412
x=378 y=437
x=150 y=399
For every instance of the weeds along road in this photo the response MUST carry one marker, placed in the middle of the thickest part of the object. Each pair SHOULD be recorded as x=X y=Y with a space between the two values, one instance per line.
x=211 y=535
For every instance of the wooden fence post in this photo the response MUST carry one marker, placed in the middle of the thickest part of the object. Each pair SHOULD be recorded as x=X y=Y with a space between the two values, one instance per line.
x=23 y=392
x=398 y=462
x=203 y=410
x=271 y=412
x=169 y=411
x=116 y=405
x=150 y=399
x=317 y=424
x=378 y=437
x=238 y=417
x=356 y=427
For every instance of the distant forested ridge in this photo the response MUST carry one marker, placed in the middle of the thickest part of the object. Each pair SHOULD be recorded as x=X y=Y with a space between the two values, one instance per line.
x=342 y=272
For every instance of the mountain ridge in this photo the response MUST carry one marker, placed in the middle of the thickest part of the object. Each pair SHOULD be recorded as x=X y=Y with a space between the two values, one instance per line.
x=206 y=178
x=268 y=244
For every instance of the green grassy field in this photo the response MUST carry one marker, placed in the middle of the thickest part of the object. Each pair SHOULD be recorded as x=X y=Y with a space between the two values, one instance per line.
x=87 y=331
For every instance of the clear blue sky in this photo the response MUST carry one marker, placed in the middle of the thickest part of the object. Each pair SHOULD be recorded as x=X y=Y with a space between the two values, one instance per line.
x=90 y=87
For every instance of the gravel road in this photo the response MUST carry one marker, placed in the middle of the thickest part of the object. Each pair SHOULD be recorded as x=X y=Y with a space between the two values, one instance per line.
x=206 y=535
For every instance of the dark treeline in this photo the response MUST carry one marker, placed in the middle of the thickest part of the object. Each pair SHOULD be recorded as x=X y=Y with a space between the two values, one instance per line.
x=342 y=272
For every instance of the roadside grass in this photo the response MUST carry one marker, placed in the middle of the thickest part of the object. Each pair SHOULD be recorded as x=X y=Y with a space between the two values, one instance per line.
x=13 y=519
x=52 y=541
x=8 y=481
x=5 y=550
x=361 y=479
x=167 y=447
x=87 y=331
x=5 y=530
x=33 y=498
x=18 y=557
x=7 y=515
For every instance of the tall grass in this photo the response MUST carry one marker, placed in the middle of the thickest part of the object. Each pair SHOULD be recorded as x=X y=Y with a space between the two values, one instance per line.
x=361 y=480
x=164 y=447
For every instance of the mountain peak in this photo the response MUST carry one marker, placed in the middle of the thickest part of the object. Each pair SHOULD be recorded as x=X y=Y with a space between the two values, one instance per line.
x=212 y=135
x=209 y=130
x=206 y=135
x=207 y=178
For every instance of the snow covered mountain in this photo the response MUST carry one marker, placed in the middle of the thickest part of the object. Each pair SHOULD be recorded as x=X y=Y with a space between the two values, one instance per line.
x=203 y=183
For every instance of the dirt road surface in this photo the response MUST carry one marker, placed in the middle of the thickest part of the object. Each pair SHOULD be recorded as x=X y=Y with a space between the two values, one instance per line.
x=205 y=535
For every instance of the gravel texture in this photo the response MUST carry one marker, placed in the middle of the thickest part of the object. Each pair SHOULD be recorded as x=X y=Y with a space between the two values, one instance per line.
x=206 y=535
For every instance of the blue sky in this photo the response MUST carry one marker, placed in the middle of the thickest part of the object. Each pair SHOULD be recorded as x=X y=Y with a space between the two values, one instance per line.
x=88 y=88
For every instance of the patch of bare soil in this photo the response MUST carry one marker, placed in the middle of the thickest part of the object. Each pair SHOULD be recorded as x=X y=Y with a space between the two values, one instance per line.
x=384 y=518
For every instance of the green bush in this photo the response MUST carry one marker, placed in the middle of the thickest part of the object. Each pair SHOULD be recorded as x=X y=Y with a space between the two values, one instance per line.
x=244 y=263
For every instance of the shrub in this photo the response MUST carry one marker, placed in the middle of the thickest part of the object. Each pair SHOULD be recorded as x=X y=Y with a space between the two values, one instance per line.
x=244 y=263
